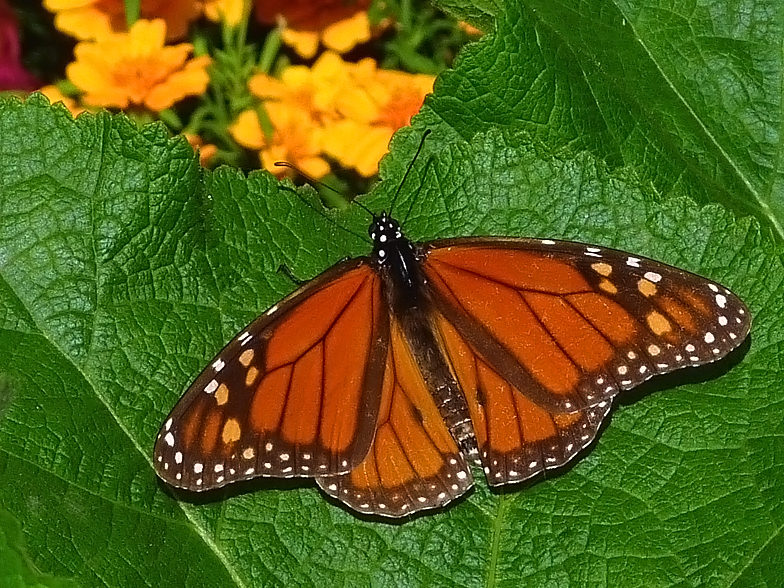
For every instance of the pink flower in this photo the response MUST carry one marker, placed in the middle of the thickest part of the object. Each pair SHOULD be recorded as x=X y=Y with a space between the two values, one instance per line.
x=13 y=75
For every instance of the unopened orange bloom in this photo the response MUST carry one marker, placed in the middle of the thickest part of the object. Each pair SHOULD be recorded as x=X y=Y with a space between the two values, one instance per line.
x=295 y=139
x=227 y=11
x=136 y=69
x=94 y=19
x=206 y=150
x=470 y=29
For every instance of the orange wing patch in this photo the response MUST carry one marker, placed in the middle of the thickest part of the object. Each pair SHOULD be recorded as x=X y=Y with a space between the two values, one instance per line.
x=413 y=463
x=516 y=329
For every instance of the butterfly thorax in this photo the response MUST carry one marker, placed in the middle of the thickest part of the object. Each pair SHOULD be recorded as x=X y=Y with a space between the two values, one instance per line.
x=399 y=263
x=397 y=258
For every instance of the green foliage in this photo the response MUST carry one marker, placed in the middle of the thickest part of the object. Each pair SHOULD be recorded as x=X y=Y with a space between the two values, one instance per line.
x=421 y=39
x=15 y=570
x=124 y=267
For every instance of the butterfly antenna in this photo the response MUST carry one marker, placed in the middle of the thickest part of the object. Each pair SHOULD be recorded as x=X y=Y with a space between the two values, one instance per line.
x=314 y=182
x=410 y=167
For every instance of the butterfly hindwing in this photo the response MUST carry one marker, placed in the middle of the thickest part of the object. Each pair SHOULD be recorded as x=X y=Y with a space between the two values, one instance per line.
x=272 y=404
x=413 y=463
x=517 y=439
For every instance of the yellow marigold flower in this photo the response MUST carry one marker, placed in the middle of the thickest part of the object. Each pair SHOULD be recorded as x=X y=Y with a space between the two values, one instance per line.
x=227 y=11
x=357 y=107
x=305 y=43
x=356 y=145
x=55 y=95
x=346 y=34
x=405 y=95
x=136 y=69
x=246 y=130
x=390 y=100
x=94 y=19
x=314 y=90
x=295 y=139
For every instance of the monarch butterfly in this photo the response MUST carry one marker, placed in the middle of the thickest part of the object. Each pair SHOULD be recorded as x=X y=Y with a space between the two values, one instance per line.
x=386 y=375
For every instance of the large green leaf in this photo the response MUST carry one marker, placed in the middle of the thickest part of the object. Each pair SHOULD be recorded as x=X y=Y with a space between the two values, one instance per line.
x=124 y=268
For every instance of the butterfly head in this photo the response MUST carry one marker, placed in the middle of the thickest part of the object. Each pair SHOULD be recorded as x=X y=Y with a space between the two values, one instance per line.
x=386 y=234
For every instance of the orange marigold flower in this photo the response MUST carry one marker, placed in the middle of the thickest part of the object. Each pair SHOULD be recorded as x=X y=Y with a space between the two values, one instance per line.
x=136 y=69
x=340 y=25
x=310 y=15
x=341 y=36
x=227 y=11
x=94 y=19
x=295 y=139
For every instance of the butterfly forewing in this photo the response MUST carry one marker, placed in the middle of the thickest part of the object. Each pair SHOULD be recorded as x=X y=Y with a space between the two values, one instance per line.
x=414 y=463
x=274 y=401
x=570 y=324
